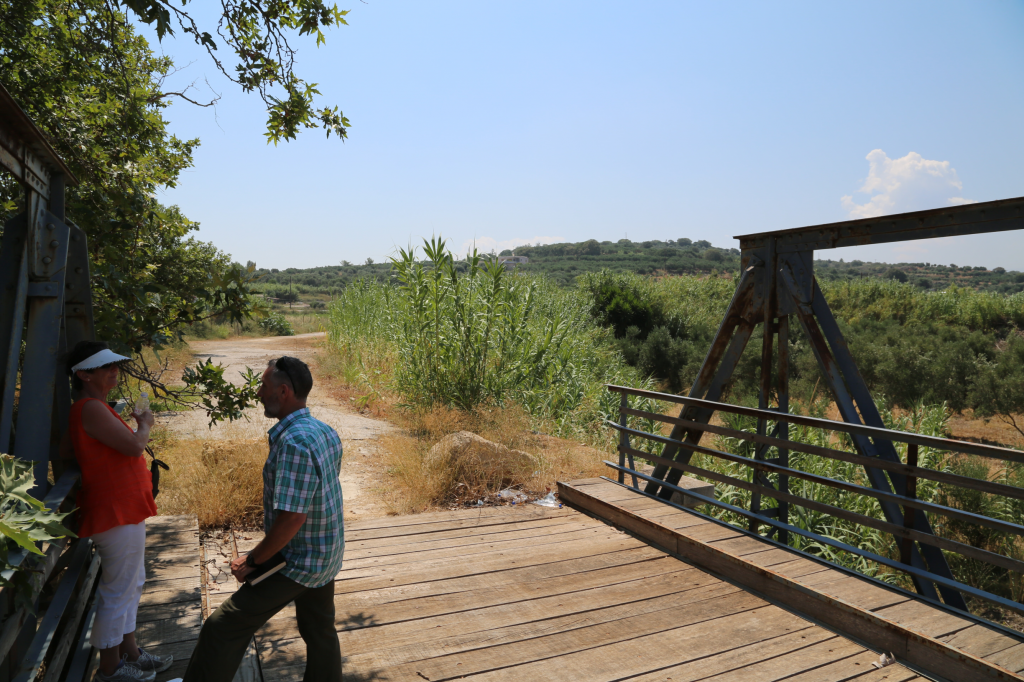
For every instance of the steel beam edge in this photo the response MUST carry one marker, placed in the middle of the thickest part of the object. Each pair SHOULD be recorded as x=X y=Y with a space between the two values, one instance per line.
x=847 y=619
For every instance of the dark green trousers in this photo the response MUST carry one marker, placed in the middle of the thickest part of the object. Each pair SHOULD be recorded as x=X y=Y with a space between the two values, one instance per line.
x=227 y=632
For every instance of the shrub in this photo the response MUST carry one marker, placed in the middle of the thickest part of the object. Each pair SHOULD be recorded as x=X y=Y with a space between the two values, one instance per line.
x=277 y=325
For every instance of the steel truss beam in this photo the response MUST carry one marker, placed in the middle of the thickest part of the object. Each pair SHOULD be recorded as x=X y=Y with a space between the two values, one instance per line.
x=46 y=304
x=777 y=284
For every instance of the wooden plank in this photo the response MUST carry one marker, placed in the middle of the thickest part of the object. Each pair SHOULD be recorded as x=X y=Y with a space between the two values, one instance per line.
x=862 y=593
x=520 y=512
x=161 y=611
x=433 y=527
x=168 y=630
x=620 y=584
x=745 y=545
x=492 y=629
x=357 y=580
x=907 y=643
x=183 y=522
x=1012 y=659
x=477 y=545
x=398 y=544
x=741 y=657
x=171 y=539
x=925 y=618
x=794 y=663
x=771 y=557
x=890 y=673
x=709 y=532
x=629 y=656
x=717 y=613
x=537 y=614
x=852 y=668
x=429 y=554
x=173 y=572
x=168 y=591
x=981 y=641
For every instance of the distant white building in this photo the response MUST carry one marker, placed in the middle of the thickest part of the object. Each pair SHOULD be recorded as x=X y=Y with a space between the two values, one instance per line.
x=512 y=261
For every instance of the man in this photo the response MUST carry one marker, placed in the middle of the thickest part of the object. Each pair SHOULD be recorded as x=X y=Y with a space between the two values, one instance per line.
x=302 y=516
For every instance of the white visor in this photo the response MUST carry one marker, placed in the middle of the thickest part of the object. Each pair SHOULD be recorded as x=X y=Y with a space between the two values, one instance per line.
x=104 y=357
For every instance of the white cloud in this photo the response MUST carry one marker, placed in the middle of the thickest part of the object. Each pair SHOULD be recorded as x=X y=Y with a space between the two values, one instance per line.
x=910 y=183
x=488 y=244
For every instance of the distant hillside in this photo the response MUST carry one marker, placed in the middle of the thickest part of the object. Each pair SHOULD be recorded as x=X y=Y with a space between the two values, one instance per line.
x=563 y=262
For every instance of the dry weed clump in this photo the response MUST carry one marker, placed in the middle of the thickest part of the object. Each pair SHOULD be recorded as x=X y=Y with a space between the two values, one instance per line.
x=220 y=481
x=422 y=476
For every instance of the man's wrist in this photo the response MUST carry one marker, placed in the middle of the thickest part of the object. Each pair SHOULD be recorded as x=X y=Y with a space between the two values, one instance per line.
x=250 y=560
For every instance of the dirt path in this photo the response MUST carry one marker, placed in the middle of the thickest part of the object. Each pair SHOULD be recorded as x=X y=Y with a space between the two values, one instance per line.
x=357 y=433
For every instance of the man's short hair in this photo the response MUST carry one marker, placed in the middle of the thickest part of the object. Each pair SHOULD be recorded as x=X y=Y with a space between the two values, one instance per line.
x=294 y=373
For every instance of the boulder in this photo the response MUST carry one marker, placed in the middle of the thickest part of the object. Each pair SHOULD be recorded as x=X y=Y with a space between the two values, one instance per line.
x=477 y=461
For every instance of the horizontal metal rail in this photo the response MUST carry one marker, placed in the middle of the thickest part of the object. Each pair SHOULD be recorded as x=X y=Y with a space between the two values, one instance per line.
x=762 y=465
x=896 y=467
x=873 y=432
x=906 y=568
x=899 y=531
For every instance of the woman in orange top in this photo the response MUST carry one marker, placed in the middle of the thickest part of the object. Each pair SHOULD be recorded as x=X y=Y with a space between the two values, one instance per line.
x=115 y=500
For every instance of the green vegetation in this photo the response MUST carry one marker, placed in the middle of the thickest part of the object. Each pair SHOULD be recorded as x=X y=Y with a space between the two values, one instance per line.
x=564 y=263
x=24 y=521
x=477 y=337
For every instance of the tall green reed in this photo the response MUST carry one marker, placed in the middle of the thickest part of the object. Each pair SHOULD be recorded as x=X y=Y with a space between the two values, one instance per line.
x=471 y=333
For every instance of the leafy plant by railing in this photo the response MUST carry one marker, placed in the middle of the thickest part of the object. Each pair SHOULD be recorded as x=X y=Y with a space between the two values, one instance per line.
x=24 y=521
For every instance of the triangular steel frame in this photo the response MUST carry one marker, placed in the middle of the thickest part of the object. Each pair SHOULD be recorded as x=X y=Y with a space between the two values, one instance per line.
x=777 y=283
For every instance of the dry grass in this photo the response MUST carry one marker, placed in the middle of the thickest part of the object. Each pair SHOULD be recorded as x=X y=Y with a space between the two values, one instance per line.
x=220 y=481
x=417 y=482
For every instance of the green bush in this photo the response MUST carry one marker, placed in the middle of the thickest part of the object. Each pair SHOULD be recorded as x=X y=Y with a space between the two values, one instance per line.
x=277 y=325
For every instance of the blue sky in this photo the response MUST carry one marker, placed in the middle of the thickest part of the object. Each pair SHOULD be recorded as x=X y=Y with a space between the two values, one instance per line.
x=522 y=122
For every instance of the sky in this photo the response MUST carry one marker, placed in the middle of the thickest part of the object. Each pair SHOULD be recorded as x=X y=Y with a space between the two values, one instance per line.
x=502 y=124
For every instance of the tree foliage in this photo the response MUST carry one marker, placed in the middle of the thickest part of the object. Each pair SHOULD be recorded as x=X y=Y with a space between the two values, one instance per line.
x=94 y=87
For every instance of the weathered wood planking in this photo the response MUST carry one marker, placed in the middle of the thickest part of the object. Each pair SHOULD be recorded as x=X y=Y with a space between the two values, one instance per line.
x=525 y=593
x=170 y=612
x=949 y=643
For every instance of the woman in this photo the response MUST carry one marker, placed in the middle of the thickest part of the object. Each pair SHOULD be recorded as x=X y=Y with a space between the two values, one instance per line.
x=115 y=500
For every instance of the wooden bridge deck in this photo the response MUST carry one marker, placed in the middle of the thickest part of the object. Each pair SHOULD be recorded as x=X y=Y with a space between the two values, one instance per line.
x=536 y=594
x=540 y=594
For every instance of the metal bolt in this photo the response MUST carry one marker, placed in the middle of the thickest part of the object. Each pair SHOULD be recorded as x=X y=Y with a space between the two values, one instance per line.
x=54 y=244
x=47 y=260
x=50 y=226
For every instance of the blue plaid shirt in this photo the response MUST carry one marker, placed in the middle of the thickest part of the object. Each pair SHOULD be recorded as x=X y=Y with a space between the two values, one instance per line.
x=301 y=475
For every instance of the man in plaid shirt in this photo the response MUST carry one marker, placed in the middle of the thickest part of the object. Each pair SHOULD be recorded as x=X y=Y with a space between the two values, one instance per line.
x=302 y=516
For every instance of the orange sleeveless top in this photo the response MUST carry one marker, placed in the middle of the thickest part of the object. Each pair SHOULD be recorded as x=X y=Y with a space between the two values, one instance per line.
x=117 y=490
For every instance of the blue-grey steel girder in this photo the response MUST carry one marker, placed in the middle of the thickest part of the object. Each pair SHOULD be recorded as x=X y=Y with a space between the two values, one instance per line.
x=34 y=256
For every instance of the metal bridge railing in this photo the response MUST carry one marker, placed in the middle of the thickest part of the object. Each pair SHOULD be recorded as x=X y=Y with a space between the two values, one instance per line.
x=908 y=473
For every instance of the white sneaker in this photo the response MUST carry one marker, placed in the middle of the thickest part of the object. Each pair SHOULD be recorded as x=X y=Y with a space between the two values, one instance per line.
x=148 y=662
x=126 y=672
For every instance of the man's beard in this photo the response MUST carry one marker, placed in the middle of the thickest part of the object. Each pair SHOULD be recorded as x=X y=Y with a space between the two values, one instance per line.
x=271 y=408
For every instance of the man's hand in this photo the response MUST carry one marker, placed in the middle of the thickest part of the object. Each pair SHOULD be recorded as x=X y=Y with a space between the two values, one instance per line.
x=239 y=569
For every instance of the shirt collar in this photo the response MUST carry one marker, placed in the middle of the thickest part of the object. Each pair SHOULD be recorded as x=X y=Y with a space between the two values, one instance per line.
x=277 y=429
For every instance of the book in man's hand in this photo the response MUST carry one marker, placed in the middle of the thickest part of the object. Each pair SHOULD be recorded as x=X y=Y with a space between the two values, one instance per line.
x=266 y=569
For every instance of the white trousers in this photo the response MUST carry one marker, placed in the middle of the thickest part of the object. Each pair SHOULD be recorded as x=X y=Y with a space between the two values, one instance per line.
x=123 y=574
